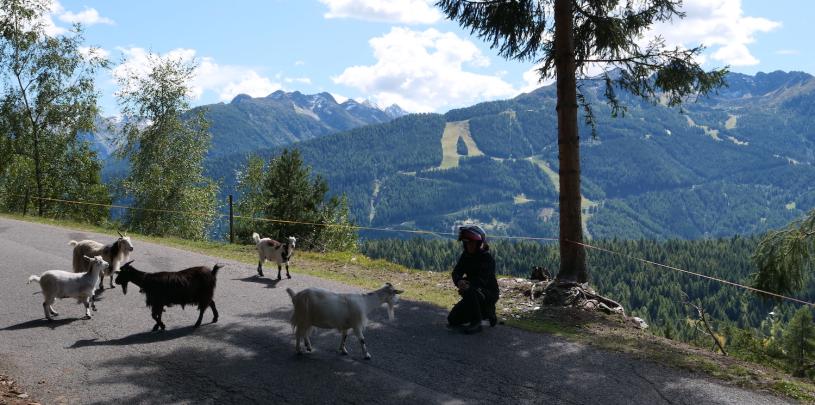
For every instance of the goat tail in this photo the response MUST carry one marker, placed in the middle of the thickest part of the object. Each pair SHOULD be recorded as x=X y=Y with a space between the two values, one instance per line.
x=33 y=278
x=291 y=294
x=73 y=243
x=215 y=269
x=256 y=237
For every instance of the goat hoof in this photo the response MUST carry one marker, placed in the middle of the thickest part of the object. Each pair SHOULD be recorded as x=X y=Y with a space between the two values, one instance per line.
x=288 y=275
x=86 y=317
x=367 y=357
x=279 y=278
x=214 y=320
x=343 y=353
x=194 y=326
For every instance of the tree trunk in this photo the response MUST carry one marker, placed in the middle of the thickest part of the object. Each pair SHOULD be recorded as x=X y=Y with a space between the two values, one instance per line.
x=572 y=255
x=37 y=167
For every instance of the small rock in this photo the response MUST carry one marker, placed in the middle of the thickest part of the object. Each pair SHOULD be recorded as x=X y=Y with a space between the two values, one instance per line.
x=22 y=396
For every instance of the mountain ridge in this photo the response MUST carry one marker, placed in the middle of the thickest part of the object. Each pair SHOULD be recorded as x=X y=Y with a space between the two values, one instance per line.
x=737 y=162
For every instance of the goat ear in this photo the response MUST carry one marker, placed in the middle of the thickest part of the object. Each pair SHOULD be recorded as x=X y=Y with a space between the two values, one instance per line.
x=398 y=291
x=128 y=263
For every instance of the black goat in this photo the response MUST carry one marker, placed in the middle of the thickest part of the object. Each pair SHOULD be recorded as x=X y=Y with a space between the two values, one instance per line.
x=195 y=285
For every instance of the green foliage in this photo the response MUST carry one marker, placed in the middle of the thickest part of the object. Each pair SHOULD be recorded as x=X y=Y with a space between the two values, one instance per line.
x=461 y=147
x=287 y=191
x=799 y=340
x=784 y=256
x=166 y=153
x=48 y=101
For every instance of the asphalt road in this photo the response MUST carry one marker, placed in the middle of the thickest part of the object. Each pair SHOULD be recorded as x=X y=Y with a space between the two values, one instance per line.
x=248 y=356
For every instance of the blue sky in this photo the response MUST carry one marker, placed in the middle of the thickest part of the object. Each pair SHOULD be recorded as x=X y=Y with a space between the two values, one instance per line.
x=388 y=51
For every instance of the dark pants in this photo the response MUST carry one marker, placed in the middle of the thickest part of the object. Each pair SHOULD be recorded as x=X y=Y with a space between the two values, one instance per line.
x=474 y=306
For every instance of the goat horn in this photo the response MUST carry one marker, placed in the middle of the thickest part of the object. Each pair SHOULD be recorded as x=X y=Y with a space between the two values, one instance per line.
x=120 y=234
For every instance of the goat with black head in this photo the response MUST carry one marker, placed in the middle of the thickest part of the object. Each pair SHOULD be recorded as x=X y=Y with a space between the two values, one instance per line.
x=195 y=285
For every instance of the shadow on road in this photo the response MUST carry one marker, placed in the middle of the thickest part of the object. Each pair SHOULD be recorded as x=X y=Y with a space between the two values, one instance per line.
x=41 y=323
x=268 y=282
x=138 y=338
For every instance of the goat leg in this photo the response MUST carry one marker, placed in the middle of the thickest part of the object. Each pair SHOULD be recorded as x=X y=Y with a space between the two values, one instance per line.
x=307 y=340
x=287 y=271
x=278 y=272
x=358 y=332
x=260 y=267
x=214 y=311
x=87 y=303
x=343 y=350
x=200 y=316
x=297 y=335
x=157 y=317
x=45 y=309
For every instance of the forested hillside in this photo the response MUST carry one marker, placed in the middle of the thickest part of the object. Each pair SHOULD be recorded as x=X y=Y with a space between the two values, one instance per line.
x=739 y=162
x=650 y=292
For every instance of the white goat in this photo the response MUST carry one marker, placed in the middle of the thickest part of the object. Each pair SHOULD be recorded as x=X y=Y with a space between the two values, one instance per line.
x=274 y=251
x=115 y=253
x=330 y=310
x=62 y=284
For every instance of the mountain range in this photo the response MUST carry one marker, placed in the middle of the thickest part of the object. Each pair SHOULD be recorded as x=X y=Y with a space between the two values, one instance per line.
x=246 y=124
x=736 y=162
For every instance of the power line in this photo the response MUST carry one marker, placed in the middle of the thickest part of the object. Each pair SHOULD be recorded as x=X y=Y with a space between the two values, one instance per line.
x=425 y=232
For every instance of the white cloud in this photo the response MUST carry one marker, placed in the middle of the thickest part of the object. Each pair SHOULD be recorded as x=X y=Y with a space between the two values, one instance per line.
x=721 y=26
x=90 y=52
x=393 y=11
x=224 y=81
x=424 y=71
x=788 y=52
x=302 y=80
x=87 y=17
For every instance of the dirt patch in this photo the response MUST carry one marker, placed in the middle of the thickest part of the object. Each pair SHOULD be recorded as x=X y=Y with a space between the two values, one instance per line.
x=13 y=394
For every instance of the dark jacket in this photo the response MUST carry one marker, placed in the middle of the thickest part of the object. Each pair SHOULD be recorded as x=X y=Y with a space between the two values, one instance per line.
x=479 y=270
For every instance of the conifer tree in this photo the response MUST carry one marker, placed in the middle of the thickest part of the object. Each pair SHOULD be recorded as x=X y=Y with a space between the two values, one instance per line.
x=799 y=340
x=566 y=38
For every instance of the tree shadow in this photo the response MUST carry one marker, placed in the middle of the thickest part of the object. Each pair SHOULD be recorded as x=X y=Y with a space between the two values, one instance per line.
x=251 y=364
x=39 y=323
x=137 y=338
x=268 y=282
